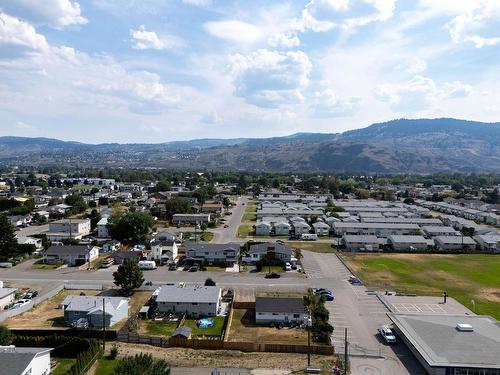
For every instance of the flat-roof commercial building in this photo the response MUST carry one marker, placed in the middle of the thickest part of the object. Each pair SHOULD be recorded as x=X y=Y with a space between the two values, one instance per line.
x=451 y=344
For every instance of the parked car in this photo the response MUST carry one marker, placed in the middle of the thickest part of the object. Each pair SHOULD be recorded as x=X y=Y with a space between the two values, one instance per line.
x=5 y=265
x=193 y=269
x=288 y=266
x=31 y=294
x=172 y=267
x=226 y=226
x=272 y=275
x=20 y=303
x=323 y=290
x=228 y=297
x=328 y=297
x=186 y=267
x=387 y=334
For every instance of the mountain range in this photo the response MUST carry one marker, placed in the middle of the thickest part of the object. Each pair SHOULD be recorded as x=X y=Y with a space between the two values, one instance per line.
x=397 y=146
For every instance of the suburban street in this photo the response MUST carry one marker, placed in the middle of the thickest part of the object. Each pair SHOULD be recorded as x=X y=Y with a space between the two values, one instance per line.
x=224 y=235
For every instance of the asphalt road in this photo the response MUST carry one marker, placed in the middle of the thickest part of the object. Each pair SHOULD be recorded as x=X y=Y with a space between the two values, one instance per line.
x=233 y=221
x=31 y=230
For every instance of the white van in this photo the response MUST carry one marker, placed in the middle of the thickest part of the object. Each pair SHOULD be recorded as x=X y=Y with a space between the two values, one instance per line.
x=309 y=237
x=147 y=265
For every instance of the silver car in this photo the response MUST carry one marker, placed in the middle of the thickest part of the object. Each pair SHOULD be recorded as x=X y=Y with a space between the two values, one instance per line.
x=387 y=334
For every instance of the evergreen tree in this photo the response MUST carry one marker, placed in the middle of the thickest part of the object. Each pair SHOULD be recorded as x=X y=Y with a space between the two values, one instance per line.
x=128 y=276
x=8 y=243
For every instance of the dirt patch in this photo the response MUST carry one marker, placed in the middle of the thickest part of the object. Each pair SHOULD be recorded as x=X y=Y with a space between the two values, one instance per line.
x=243 y=328
x=181 y=357
x=46 y=315
x=490 y=294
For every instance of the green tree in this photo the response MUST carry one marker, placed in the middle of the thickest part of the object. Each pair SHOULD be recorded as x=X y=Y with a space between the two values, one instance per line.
x=8 y=243
x=94 y=217
x=177 y=205
x=128 y=276
x=226 y=202
x=142 y=364
x=76 y=202
x=5 y=336
x=132 y=227
x=162 y=185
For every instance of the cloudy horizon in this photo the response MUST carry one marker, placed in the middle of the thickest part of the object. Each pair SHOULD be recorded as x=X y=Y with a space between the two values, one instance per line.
x=100 y=71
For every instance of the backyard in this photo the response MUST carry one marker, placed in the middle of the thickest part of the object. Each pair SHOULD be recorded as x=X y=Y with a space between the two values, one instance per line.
x=158 y=327
x=465 y=277
x=243 y=328
x=215 y=330
x=316 y=247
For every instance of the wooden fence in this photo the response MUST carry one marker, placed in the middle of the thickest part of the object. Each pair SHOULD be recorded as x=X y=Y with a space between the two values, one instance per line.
x=244 y=305
x=218 y=344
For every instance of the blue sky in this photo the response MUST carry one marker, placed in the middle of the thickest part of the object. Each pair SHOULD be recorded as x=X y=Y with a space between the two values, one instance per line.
x=160 y=70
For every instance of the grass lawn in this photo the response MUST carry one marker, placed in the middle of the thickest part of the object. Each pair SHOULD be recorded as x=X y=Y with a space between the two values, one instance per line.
x=63 y=365
x=276 y=269
x=105 y=366
x=251 y=208
x=215 y=330
x=215 y=269
x=249 y=217
x=43 y=266
x=243 y=328
x=159 y=327
x=464 y=276
x=317 y=247
x=245 y=230
x=83 y=187
x=207 y=236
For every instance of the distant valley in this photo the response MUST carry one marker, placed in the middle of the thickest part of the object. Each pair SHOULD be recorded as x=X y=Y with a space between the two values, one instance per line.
x=398 y=146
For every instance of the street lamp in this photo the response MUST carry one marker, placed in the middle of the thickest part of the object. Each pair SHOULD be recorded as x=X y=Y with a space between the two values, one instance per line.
x=309 y=325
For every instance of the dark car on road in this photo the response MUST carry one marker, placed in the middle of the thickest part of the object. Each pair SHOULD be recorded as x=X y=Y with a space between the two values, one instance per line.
x=272 y=275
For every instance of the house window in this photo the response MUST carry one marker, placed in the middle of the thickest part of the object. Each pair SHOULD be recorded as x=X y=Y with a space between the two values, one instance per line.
x=195 y=303
x=275 y=314
x=296 y=316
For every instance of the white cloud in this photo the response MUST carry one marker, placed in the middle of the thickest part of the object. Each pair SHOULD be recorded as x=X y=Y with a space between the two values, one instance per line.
x=416 y=65
x=269 y=78
x=18 y=37
x=199 y=3
x=235 y=31
x=325 y=15
x=56 y=13
x=327 y=104
x=283 y=40
x=144 y=39
x=456 y=89
x=23 y=126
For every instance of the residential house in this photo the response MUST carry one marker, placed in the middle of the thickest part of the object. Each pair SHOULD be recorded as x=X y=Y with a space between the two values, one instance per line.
x=193 y=300
x=455 y=243
x=279 y=310
x=72 y=255
x=282 y=228
x=375 y=229
x=20 y=220
x=262 y=228
x=321 y=228
x=103 y=228
x=434 y=231
x=24 y=361
x=410 y=243
x=363 y=242
x=7 y=296
x=190 y=219
x=121 y=256
x=68 y=228
x=273 y=252
x=163 y=251
x=215 y=208
x=211 y=253
x=300 y=227
x=31 y=241
x=95 y=309
x=488 y=242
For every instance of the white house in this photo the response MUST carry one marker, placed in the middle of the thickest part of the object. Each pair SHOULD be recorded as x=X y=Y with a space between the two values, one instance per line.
x=279 y=310
x=321 y=228
x=433 y=231
x=410 y=243
x=163 y=251
x=7 y=296
x=282 y=228
x=454 y=243
x=488 y=242
x=355 y=242
x=102 y=228
x=193 y=300
x=72 y=255
x=262 y=229
x=68 y=228
x=24 y=361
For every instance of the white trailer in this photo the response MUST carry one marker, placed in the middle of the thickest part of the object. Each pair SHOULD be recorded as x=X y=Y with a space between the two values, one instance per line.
x=147 y=265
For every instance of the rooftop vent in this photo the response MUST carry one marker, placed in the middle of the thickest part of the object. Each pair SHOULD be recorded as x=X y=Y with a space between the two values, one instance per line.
x=463 y=327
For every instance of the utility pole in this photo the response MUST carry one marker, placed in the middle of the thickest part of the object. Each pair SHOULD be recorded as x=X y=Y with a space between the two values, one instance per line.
x=103 y=326
x=309 y=324
x=346 y=351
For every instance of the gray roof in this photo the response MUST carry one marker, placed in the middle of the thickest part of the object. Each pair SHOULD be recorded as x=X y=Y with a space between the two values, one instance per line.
x=409 y=239
x=212 y=247
x=91 y=304
x=440 y=343
x=4 y=292
x=455 y=240
x=361 y=238
x=16 y=361
x=189 y=294
x=68 y=250
x=263 y=248
x=290 y=305
x=344 y=224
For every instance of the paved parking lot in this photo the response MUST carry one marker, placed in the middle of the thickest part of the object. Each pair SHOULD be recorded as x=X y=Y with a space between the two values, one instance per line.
x=425 y=305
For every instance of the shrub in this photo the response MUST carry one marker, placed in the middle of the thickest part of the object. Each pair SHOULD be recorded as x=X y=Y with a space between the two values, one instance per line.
x=5 y=336
x=113 y=353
